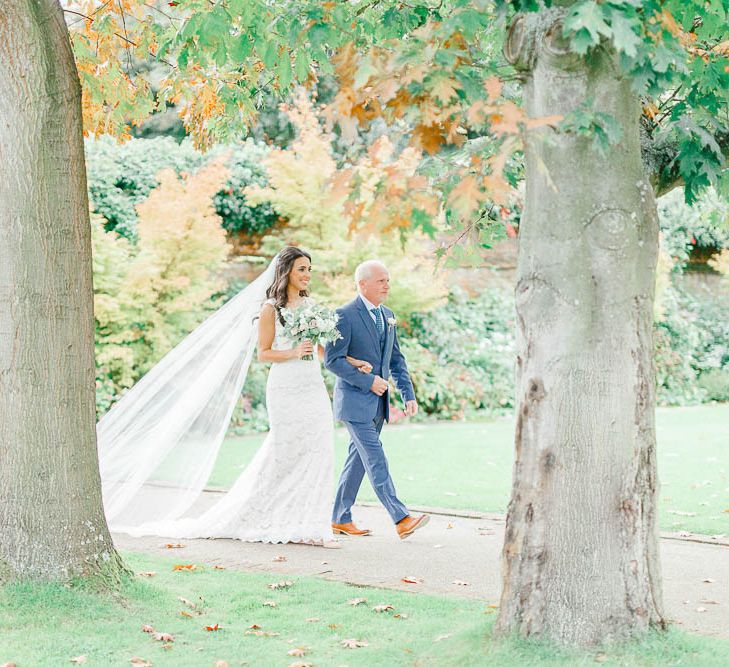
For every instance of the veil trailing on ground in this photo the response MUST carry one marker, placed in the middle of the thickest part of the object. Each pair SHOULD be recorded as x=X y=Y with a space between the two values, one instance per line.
x=158 y=444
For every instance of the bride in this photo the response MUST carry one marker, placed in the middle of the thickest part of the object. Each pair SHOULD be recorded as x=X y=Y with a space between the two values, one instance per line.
x=159 y=443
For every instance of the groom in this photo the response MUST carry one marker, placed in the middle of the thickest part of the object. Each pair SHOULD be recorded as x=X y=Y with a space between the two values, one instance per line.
x=362 y=400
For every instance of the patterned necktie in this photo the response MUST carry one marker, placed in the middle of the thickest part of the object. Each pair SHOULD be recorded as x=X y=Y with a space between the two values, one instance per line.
x=378 y=320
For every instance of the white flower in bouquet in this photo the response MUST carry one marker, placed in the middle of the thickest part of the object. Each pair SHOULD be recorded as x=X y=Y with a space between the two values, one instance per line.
x=312 y=322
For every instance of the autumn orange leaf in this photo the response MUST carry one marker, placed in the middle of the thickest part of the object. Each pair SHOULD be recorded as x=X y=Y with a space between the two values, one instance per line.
x=178 y=568
x=411 y=580
x=174 y=546
x=147 y=628
x=212 y=628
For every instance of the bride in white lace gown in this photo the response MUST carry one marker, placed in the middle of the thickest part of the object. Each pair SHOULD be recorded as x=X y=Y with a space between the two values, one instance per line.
x=159 y=444
x=285 y=494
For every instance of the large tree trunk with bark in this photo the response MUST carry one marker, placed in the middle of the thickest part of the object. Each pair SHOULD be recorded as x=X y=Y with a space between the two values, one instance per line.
x=580 y=559
x=52 y=525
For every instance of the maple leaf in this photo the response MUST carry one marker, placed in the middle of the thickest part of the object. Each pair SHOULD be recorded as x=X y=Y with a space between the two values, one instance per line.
x=186 y=614
x=299 y=652
x=356 y=601
x=444 y=89
x=179 y=568
x=400 y=616
x=428 y=137
x=79 y=659
x=411 y=580
x=140 y=662
x=354 y=643
x=466 y=196
x=174 y=546
x=212 y=628
x=163 y=637
x=280 y=584
x=147 y=628
x=146 y=574
x=187 y=603
x=269 y=603
x=218 y=567
x=380 y=608
x=493 y=86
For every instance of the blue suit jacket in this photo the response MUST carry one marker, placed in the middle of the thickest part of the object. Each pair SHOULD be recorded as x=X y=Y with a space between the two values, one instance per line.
x=353 y=399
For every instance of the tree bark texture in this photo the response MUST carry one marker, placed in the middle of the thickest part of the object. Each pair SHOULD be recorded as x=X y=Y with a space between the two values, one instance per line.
x=580 y=560
x=52 y=525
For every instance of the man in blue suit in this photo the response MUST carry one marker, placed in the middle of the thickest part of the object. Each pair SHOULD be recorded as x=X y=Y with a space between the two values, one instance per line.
x=362 y=401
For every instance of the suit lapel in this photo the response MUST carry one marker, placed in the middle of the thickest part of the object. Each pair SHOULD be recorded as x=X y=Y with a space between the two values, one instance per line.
x=389 y=335
x=369 y=324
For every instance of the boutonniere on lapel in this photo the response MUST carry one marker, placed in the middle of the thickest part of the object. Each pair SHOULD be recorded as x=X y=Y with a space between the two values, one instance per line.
x=391 y=322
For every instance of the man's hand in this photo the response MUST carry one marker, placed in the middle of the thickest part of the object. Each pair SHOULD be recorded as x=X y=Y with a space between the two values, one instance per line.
x=379 y=386
x=411 y=408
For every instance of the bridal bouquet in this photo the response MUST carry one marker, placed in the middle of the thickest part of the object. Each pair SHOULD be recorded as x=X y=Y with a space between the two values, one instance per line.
x=311 y=322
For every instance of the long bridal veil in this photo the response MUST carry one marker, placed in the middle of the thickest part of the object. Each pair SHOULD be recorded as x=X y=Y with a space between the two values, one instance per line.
x=158 y=444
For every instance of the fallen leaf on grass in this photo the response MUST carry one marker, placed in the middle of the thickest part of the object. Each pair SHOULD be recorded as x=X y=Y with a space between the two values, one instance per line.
x=221 y=663
x=411 y=580
x=333 y=626
x=356 y=601
x=726 y=511
x=186 y=614
x=400 y=616
x=459 y=582
x=262 y=633
x=380 y=608
x=188 y=603
x=212 y=628
x=279 y=559
x=218 y=567
x=601 y=657
x=140 y=662
x=167 y=646
x=174 y=546
x=163 y=637
x=79 y=659
x=440 y=638
x=178 y=568
x=280 y=584
x=146 y=574
x=493 y=606
x=701 y=610
x=301 y=664
x=8 y=664
x=299 y=652
x=147 y=628
x=313 y=620
x=269 y=603
x=354 y=643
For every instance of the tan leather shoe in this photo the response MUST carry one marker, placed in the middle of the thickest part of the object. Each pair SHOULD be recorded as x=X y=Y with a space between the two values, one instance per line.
x=407 y=526
x=349 y=529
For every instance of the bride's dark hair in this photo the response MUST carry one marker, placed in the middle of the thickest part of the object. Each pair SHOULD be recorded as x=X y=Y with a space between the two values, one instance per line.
x=278 y=291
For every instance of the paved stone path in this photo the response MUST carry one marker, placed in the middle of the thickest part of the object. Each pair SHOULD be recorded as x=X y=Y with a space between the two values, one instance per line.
x=455 y=549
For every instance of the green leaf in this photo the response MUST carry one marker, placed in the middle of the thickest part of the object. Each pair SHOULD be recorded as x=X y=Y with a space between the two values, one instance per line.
x=625 y=38
x=585 y=24
x=285 y=75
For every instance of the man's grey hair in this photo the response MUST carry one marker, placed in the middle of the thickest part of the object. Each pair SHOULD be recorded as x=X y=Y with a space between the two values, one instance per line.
x=364 y=270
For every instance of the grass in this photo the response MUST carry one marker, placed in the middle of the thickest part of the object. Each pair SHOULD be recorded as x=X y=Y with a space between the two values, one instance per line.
x=45 y=624
x=468 y=465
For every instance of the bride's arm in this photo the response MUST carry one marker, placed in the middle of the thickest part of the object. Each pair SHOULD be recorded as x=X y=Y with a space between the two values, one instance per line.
x=266 y=334
x=361 y=366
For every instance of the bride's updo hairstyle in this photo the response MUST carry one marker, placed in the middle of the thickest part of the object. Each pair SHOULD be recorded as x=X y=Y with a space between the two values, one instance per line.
x=279 y=288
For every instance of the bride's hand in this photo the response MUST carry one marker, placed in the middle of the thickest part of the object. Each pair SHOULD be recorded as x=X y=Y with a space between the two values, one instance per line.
x=302 y=349
x=360 y=365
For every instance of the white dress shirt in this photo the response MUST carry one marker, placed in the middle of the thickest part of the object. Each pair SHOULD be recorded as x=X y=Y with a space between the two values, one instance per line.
x=369 y=305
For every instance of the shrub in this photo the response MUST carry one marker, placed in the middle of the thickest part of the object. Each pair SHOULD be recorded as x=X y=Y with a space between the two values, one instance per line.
x=148 y=296
x=121 y=176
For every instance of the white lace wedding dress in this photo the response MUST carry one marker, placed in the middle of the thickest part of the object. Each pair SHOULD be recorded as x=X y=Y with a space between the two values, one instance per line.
x=285 y=493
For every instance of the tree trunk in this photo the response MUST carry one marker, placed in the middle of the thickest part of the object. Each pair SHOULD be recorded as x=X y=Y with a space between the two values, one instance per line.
x=52 y=525
x=580 y=559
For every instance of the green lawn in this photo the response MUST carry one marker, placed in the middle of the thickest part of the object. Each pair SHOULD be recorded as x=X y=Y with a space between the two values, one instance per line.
x=48 y=625
x=468 y=465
